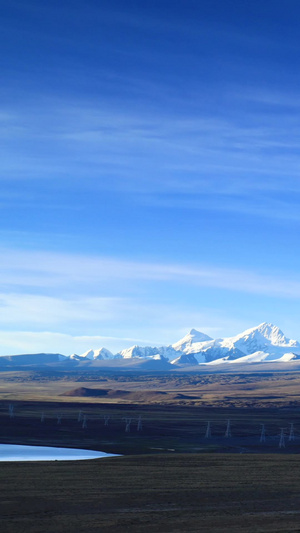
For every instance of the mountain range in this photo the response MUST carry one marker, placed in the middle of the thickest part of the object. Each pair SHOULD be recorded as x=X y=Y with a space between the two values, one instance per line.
x=265 y=343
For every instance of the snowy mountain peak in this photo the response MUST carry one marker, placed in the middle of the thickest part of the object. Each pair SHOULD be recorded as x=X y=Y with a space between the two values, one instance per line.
x=149 y=352
x=194 y=336
x=273 y=334
x=194 y=332
x=269 y=333
x=198 y=336
x=265 y=337
x=88 y=355
x=101 y=353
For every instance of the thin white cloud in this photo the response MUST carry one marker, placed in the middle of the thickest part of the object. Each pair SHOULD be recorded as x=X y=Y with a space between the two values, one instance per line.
x=62 y=272
x=41 y=310
x=18 y=342
x=278 y=209
x=227 y=157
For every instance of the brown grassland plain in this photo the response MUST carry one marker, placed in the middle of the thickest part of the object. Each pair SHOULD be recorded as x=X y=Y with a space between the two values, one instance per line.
x=170 y=477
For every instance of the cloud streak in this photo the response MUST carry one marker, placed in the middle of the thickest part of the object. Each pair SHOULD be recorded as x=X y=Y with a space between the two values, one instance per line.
x=186 y=160
x=119 y=138
x=53 y=272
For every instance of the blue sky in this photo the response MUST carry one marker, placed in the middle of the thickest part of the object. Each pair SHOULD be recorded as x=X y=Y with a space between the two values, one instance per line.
x=150 y=171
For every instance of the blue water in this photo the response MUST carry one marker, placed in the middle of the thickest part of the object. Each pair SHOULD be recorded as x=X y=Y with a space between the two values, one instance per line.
x=13 y=452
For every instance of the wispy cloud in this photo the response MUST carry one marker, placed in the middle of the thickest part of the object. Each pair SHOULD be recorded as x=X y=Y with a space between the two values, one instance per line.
x=153 y=152
x=55 y=272
x=48 y=311
x=276 y=208
x=54 y=342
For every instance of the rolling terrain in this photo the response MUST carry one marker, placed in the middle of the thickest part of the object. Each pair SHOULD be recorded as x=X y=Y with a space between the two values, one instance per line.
x=232 y=389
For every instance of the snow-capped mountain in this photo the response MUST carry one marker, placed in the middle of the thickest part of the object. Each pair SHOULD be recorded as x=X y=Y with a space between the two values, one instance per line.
x=101 y=353
x=191 y=339
x=148 y=352
x=265 y=338
x=265 y=343
x=262 y=343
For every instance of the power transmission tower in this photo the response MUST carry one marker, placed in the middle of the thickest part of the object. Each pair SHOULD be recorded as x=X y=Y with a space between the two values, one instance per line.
x=292 y=433
x=127 y=424
x=281 y=440
x=208 y=431
x=262 y=434
x=139 y=424
x=228 y=429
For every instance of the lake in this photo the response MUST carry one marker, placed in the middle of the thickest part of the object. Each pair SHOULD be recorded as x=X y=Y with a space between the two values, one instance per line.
x=14 y=452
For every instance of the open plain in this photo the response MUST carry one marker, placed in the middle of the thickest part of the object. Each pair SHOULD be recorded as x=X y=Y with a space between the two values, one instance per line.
x=163 y=493
x=172 y=475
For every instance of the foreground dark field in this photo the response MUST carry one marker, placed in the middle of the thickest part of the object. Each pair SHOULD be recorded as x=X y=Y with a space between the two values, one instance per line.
x=178 y=493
